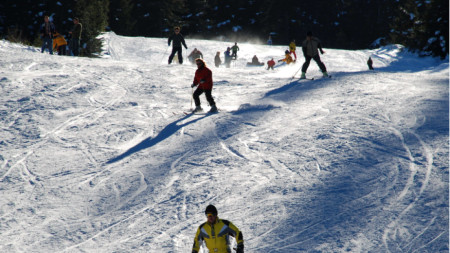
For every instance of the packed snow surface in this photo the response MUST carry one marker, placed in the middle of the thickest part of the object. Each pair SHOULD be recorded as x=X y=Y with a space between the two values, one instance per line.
x=96 y=154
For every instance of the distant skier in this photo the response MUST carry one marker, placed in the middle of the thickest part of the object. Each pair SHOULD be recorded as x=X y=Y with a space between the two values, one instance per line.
x=76 y=37
x=310 y=48
x=203 y=78
x=255 y=62
x=269 y=41
x=217 y=60
x=287 y=57
x=292 y=48
x=194 y=55
x=47 y=32
x=369 y=63
x=177 y=39
x=216 y=234
x=234 y=48
x=228 y=57
x=270 y=64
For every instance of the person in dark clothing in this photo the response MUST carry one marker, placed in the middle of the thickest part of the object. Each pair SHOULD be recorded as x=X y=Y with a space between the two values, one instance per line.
x=76 y=37
x=234 y=49
x=369 y=63
x=47 y=32
x=203 y=78
x=217 y=60
x=194 y=55
x=177 y=40
x=310 y=48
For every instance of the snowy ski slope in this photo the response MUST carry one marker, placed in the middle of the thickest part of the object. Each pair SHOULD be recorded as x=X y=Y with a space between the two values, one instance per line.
x=96 y=155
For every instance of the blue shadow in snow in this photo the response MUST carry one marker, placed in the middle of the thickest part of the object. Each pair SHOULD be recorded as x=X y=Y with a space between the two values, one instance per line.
x=168 y=131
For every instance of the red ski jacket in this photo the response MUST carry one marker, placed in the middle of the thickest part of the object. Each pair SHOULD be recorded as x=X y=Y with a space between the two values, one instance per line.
x=203 y=78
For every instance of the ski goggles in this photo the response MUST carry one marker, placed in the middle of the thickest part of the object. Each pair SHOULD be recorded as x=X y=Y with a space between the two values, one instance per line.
x=210 y=215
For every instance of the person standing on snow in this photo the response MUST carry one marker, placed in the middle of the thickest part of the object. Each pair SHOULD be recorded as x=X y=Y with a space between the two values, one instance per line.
x=47 y=32
x=270 y=64
x=227 y=57
x=215 y=233
x=370 y=63
x=177 y=39
x=292 y=48
x=203 y=78
x=234 y=48
x=310 y=48
x=76 y=37
x=217 y=60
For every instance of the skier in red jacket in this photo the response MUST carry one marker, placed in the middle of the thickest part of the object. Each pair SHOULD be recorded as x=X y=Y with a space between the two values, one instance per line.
x=203 y=78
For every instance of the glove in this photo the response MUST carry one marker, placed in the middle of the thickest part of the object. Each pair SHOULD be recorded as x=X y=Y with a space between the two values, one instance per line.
x=202 y=81
x=193 y=85
x=240 y=248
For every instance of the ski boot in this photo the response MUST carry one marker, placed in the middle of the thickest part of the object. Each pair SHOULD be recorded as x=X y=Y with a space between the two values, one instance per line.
x=303 y=75
x=213 y=109
x=197 y=109
x=325 y=74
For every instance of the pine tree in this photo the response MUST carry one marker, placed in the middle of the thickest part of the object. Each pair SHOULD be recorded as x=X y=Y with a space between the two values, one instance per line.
x=422 y=26
x=121 y=19
x=93 y=15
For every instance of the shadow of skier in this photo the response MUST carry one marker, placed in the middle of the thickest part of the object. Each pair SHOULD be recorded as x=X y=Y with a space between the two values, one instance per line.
x=168 y=131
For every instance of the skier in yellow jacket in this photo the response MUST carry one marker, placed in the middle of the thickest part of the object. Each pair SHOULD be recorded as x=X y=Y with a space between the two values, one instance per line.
x=287 y=57
x=292 y=48
x=216 y=234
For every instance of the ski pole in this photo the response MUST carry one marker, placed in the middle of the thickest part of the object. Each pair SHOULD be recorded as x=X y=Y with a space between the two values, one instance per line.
x=296 y=73
x=164 y=54
x=192 y=95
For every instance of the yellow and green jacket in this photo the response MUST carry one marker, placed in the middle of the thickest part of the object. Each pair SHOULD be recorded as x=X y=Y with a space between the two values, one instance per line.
x=216 y=236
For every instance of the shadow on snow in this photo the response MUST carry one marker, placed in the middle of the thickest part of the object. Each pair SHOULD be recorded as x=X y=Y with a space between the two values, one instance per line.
x=168 y=131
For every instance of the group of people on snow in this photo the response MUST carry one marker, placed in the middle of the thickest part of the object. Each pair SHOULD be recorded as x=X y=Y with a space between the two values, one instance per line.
x=203 y=75
x=52 y=40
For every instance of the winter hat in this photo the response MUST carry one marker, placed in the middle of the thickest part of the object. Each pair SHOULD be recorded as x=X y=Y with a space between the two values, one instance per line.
x=286 y=52
x=211 y=209
x=309 y=34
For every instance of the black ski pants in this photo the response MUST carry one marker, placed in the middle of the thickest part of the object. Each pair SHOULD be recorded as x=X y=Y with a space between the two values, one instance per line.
x=180 y=54
x=316 y=59
x=200 y=91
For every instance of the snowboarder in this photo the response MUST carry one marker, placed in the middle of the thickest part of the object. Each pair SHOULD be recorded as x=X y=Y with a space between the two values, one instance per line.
x=310 y=48
x=76 y=36
x=369 y=63
x=227 y=57
x=47 y=31
x=216 y=234
x=203 y=78
x=270 y=64
x=292 y=48
x=287 y=57
x=59 y=44
x=194 y=55
x=177 y=39
x=217 y=60
x=234 y=48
